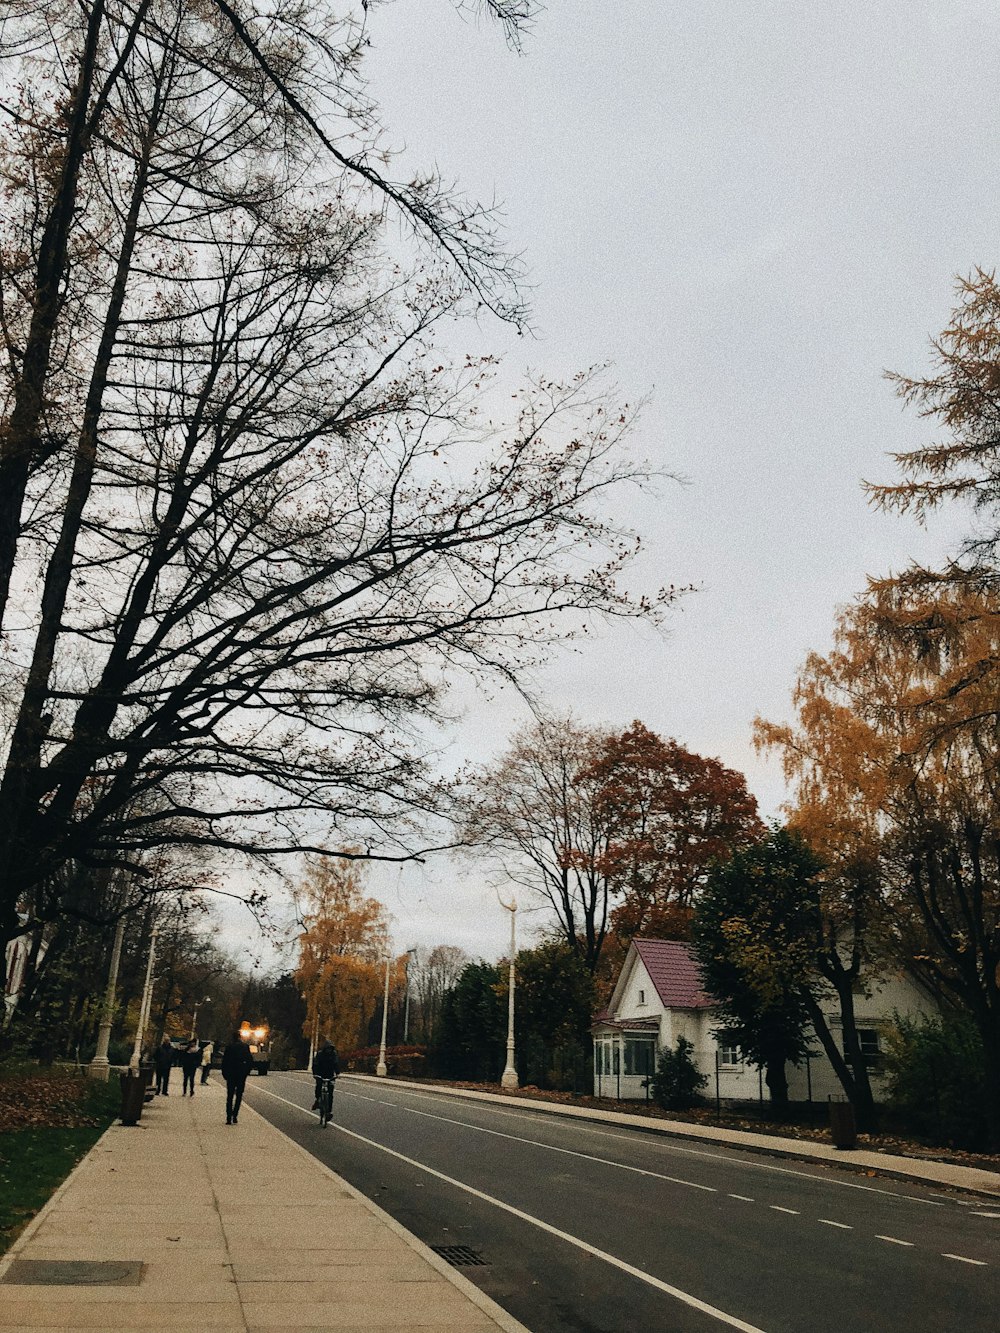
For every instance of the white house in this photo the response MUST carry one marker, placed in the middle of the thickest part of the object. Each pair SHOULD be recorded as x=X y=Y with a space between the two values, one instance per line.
x=658 y=997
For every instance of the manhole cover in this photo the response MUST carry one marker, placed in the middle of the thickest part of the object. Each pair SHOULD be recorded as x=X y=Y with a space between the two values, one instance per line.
x=459 y=1256
x=75 y=1272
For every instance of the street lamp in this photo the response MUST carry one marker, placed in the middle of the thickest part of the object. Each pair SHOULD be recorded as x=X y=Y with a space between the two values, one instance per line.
x=508 y=1079
x=380 y=1069
x=147 y=997
x=406 y=1007
x=194 y=1019
x=99 y=1067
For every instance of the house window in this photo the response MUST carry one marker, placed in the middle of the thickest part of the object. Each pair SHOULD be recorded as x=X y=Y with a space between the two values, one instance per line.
x=603 y=1057
x=642 y=997
x=868 y=1040
x=640 y=1055
x=729 y=1051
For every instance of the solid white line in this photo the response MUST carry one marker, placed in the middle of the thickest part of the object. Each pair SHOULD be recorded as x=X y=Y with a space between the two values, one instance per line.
x=745 y=1198
x=980 y=1263
x=668 y=1146
x=692 y=1301
x=550 y=1147
x=893 y=1240
x=827 y=1223
x=777 y=1208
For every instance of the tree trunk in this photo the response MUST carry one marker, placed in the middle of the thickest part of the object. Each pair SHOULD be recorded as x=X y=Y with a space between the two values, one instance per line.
x=776 y=1078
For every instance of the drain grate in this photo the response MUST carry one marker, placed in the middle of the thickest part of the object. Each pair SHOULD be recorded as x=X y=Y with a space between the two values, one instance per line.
x=75 y=1272
x=459 y=1256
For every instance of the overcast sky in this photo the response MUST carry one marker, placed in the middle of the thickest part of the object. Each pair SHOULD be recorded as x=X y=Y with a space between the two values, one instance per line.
x=751 y=209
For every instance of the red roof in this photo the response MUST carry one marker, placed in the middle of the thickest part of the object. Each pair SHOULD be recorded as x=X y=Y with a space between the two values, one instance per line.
x=673 y=970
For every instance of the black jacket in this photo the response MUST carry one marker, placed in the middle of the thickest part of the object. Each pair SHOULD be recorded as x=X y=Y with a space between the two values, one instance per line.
x=325 y=1062
x=190 y=1061
x=236 y=1062
x=163 y=1058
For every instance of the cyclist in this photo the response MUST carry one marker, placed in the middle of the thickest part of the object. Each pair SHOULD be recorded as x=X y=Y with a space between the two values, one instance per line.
x=325 y=1065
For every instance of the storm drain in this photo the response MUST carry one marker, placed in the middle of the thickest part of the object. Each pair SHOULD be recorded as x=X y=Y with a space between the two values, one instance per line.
x=459 y=1256
x=75 y=1272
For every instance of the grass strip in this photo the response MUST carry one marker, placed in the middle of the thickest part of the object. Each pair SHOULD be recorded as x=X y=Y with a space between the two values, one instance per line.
x=34 y=1162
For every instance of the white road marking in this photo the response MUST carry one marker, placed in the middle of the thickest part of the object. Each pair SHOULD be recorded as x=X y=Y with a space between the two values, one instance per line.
x=745 y=1198
x=828 y=1223
x=667 y=1146
x=894 y=1240
x=777 y=1208
x=985 y=1214
x=961 y=1258
x=685 y=1297
x=551 y=1147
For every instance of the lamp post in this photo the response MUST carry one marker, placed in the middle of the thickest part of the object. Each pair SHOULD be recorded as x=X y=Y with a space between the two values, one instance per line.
x=100 y=1065
x=508 y=1079
x=147 y=995
x=381 y=1069
x=194 y=1019
x=406 y=1006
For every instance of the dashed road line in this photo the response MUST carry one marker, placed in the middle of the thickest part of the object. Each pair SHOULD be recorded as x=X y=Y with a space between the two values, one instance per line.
x=894 y=1240
x=693 y=1302
x=963 y=1259
x=777 y=1208
x=535 y=1143
x=667 y=1146
x=828 y=1222
x=744 y=1198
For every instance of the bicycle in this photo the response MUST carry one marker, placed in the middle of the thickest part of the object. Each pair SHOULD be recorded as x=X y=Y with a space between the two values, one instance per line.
x=325 y=1101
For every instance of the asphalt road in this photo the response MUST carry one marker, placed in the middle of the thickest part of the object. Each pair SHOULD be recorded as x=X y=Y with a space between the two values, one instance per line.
x=594 y=1229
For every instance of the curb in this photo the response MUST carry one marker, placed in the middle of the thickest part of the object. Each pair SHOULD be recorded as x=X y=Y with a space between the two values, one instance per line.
x=486 y=1304
x=762 y=1145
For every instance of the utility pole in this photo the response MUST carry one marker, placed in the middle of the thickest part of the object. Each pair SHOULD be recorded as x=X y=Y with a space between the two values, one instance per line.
x=381 y=1069
x=508 y=1079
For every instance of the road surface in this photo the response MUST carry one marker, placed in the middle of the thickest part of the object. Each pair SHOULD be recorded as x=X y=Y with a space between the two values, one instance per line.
x=597 y=1229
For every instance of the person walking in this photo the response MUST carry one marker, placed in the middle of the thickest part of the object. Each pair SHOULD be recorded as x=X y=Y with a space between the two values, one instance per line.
x=190 y=1061
x=236 y=1065
x=206 y=1060
x=163 y=1062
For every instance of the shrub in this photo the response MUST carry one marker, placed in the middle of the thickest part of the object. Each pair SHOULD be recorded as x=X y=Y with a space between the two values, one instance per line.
x=677 y=1082
x=935 y=1070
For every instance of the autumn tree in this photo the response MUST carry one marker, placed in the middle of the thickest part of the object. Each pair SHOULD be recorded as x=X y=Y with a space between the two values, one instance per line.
x=611 y=830
x=342 y=952
x=752 y=930
x=670 y=814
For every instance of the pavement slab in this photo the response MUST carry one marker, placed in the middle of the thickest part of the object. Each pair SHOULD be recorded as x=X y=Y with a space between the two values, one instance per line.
x=235 y=1228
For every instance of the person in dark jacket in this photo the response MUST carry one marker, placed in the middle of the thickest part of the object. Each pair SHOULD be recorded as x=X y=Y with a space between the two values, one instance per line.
x=325 y=1065
x=190 y=1062
x=163 y=1062
x=236 y=1065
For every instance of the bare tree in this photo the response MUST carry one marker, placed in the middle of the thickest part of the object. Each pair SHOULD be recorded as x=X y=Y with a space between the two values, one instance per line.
x=433 y=973
x=248 y=516
x=538 y=813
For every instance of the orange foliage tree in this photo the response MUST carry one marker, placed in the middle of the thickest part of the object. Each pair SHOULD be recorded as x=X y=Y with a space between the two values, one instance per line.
x=342 y=951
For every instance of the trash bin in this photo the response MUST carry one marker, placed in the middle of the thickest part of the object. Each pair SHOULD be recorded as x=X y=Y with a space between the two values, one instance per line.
x=133 y=1089
x=843 y=1130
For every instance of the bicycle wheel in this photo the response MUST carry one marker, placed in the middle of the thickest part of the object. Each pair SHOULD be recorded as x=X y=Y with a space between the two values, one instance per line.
x=325 y=1105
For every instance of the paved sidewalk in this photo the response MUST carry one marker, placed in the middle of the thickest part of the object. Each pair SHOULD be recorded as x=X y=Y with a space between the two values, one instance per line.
x=199 y=1225
x=806 y=1150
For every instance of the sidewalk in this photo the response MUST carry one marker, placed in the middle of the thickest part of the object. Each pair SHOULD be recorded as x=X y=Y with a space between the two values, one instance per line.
x=920 y=1169
x=183 y=1222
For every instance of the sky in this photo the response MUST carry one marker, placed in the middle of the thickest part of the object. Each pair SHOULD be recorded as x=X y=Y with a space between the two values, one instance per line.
x=750 y=210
